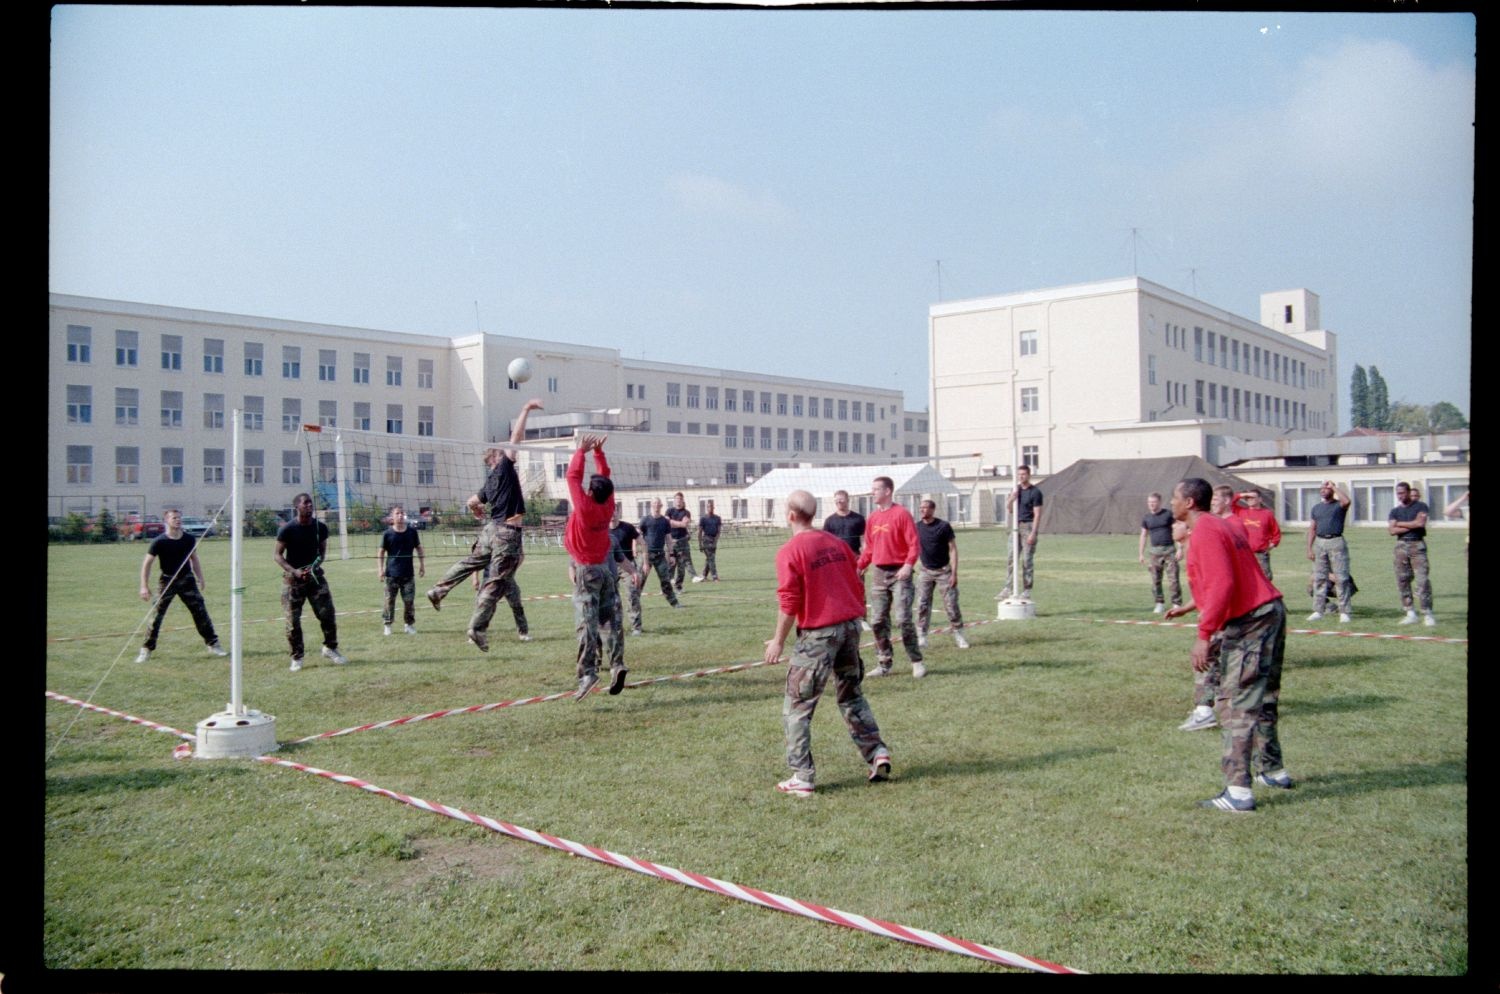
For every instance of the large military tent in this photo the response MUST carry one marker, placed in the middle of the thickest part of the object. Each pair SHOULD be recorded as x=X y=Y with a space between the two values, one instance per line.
x=1108 y=496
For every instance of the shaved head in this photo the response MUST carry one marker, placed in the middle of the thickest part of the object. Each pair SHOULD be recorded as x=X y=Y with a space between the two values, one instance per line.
x=802 y=504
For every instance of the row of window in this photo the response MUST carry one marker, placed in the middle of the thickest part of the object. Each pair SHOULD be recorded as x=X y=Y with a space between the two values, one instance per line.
x=1260 y=409
x=80 y=410
x=793 y=440
x=780 y=403
x=127 y=355
x=1217 y=349
x=80 y=466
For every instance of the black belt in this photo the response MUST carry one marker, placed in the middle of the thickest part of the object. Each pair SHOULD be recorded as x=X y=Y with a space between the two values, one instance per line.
x=1339 y=535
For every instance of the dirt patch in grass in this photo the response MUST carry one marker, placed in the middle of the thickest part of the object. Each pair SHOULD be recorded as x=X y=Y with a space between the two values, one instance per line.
x=438 y=857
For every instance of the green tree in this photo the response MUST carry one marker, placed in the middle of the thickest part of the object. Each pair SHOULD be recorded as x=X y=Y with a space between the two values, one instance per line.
x=1408 y=417
x=1359 y=399
x=75 y=528
x=261 y=521
x=1443 y=416
x=1379 y=402
x=105 y=529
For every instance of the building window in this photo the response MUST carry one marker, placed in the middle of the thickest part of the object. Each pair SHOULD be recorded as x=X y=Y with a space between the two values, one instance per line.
x=856 y=411
x=552 y=384
x=1030 y=399
x=291 y=362
x=328 y=413
x=1213 y=400
x=361 y=467
x=630 y=391
x=1028 y=343
x=828 y=441
x=812 y=441
x=393 y=417
x=1234 y=355
x=254 y=414
x=291 y=467
x=171 y=467
x=711 y=398
x=796 y=405
x=731 y=440
x=424 y=421
x=1151 y=370
x=171 y=353
x=328 y=365
x=127 y=465
x=870 y=442
x=828 y=408
x=674 y=427
x=782 y=442
x=712 y=428
x=393 y=468
x=1198 y=396
x=1211 y=349
x=80 y=461
x=1198 y=344
x=80 y=345
x=171 y=409
x=1031 y=455
x=812 y=407
x=739 y=507
x=362 y=368
x=1236 y=403
x=291 y=413
x=213 y=355
x=426 y=469
x=843 y=441
x=653 y=472
x=424 y=374
x=765 y=402
x=797 y=439
x=674 y=394
x=692 y=395
x=1224 y=351
x=213 y=466
x=127 y=348
x=362 y=416
x=781 y=404
x=255 y=466
x=731 y=473
x=694 y=428
x=843 y=410
x=254 y=359
x=127 y=405
x=748 y=398
x=857 y=443
x=213 y=411
x=731 y=400
x=640 y=392
x=765 y=439
x=1257 y=361
x=393 y=371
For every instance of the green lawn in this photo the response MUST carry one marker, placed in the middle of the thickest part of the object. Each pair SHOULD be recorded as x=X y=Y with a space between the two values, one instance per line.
x=1043 y=800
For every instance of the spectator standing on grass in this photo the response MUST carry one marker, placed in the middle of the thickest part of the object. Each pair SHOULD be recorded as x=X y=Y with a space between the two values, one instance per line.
x=393 y=566
x=1156 y=528
x=1233 y=595
x=1408 y=522
x=1026 y=503
x=892 y=548
x=181 y=576
x=682 y=545
x=1260 y=524
x=301 y=545
x=624 y=535
x=818 y=590
x=498 y=550
x=937 y=568
x=587 y=539
x=844 y=523
x=1329 y=551
x=709 y=526
x=654 y=529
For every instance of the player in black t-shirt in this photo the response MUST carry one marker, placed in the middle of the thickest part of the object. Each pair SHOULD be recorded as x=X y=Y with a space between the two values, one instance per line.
x=625 y=535
x=393 y=566
x=844 y=523
x=1156 y=531
x=937 y=569
x=181 y=575
x=301 y=545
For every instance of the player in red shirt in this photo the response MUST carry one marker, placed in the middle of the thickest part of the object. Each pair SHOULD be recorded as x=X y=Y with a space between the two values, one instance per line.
x=586 y=538
x=818 y=590
x=891 y=544
x=1260 y=524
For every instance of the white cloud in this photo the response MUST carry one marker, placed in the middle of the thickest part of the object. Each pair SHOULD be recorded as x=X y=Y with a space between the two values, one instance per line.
x=713 y=196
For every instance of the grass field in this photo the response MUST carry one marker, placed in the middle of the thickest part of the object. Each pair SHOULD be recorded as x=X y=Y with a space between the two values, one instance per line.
x=1043 y=800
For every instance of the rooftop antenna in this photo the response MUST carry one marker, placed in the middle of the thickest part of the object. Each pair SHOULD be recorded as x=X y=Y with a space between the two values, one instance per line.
x=1193 y=276
x=940 y=280
x=477 y=329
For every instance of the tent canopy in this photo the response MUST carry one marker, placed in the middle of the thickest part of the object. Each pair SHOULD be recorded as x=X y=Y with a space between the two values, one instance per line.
x=1108 y=496
x=822 y=481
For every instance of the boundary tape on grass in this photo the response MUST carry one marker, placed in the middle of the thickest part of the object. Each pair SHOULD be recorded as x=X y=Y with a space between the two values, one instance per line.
x=1291 y=631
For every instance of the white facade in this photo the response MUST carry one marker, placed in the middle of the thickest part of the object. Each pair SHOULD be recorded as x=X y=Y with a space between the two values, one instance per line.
x=1123 y=369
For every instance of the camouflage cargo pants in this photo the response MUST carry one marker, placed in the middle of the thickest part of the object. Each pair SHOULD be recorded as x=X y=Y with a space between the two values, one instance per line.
x=633 y=592
x=818 y=653
x=1164 y=561
x=657 y=562
x=186 y=588
x=596 y=617
x=927 y=579
x=498 y=552
x=1331 y=557
x=1411 y=562
x=888 y=596
x=513 y=598
x=406 y=586
x=709 y=546
x=315 y=592
x=1206 y=684
x=1028 y=557
x=1264 y=558
x=1250 y=691
x=682 y=560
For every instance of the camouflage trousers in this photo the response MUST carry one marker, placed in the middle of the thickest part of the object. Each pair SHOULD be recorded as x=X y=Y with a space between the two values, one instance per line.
x=927 y=579
x=1028 y=556
x=513 y=598
x=1331 y=556
x=657 y=562
x=1206 y=684
x=186 y=588
x=709 y=546
x=1411 y=561
x=498 y=553
x=316 y=593
x=682 y=560
x=1250 y=691
x=596 y=616
x=1264 y=558
x=628 y=577
x=1163 y=561
x=887 y=592
x=406 y=586
x=818 y=653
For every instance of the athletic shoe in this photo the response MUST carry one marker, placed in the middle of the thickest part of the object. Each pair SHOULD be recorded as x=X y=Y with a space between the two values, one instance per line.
x=1003 y=595
x=408 y=630
x=1429 y=620
x=1026 y=594
x=215 y=649
x=1224 y=802
x=1198 y=719
x=1280 y=779
x=879 y=671
x=1159 y=608
x=880 y=768
x=921 y=640
x=678 y=586
x=585 y=684
x=479 y=640
x=1410 y=619
x=637 y=631
x=617 y=680
x=296 y=663
x=960 y=641
x=919 y=669
x=795 y=786
x=387 y=630
x=1344 y=619
x=523 y=637
x=676 y=604
x=143 y=655
x=1315 y=616
x=434 y=599
x=332 y=655
x=865 y=625
x=697 y=579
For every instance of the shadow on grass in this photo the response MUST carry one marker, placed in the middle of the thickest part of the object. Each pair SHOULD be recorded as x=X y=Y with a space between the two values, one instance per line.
x=1297 y=660
x=103 y=783
x=984 y=767
x=1317 y=787
x=1337 y=705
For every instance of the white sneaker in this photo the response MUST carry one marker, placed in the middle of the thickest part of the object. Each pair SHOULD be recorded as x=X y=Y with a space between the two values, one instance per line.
x=958 y=638
x=296 y=663
x=1410 y=619
x=408 y=630
x=143 y=655
x=524 y=637
x=1429 y=620
x=217 y=650
x=1315 y=616
x=1160 y=608
x=697 y=579
x=1344 y=619
x=387 y=630
x=919 y=670
x=332 y=655
x=1199 y=718
x=796 y=786
x=921 y=640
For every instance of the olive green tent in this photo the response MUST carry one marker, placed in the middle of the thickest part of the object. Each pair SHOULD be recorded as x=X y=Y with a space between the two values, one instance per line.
x=1108 y=496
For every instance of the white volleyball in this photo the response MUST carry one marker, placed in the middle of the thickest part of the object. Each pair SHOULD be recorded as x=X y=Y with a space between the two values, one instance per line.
x=519 y=370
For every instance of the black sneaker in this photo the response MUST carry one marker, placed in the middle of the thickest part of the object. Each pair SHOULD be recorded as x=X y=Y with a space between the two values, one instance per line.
x=1224 y=802
x=617 y=680
x=437 y=602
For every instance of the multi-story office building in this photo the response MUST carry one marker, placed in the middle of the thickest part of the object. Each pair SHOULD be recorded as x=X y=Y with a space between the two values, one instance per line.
x=1123 y=369
x=142 y=396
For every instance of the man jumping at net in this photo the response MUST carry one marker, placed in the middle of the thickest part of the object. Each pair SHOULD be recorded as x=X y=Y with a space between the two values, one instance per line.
x=586 y=537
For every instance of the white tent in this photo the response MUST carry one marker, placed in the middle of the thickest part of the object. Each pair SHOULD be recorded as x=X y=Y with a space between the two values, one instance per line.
x=767 y=495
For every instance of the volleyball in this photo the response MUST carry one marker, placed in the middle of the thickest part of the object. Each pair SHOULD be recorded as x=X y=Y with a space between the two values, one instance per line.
x=519 y=370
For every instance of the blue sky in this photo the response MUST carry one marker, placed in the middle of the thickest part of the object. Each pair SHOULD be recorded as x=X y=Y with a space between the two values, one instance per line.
x=767 y=190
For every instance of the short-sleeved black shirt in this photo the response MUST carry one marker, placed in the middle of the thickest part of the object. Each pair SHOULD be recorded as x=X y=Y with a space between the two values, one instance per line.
x=399 y=548
x=1328 y=518
x=1027 y=501
x=625 y=535
x=849 y=527
x=502 y=491
x=302 y=541
x=654 y=531
x=1409 y=512
x=934 y=539
x=1160 y=527
x=676 y=515
x=171 y=553
x=710 y=524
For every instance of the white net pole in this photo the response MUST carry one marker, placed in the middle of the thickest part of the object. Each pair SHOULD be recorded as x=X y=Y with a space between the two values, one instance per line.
x=236 y=548
x=341 y=483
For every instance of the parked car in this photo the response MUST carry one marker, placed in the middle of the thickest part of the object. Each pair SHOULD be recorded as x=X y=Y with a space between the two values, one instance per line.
x=135 y=526
x=199 y=527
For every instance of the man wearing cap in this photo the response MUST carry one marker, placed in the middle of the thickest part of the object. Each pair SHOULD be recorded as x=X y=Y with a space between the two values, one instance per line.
x=1328 y=550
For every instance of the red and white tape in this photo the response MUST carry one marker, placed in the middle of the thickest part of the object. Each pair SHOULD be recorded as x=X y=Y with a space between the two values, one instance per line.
x=1290 y=631
x=765 y=899
x=121 y=714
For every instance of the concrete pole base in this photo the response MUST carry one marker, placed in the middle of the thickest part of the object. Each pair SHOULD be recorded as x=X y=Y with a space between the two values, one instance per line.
x=227 y=735
x=1016 y=609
